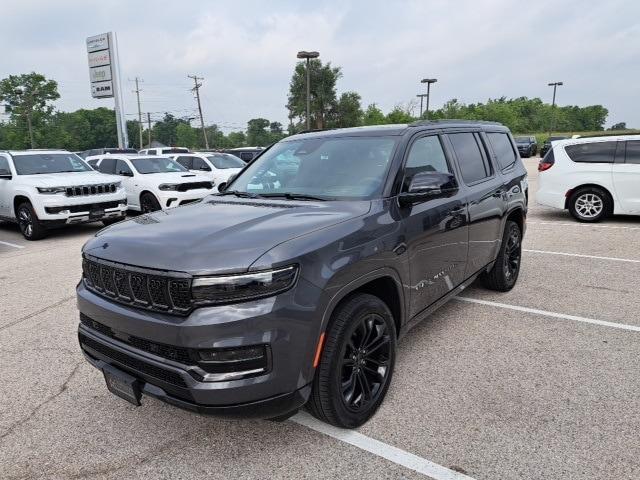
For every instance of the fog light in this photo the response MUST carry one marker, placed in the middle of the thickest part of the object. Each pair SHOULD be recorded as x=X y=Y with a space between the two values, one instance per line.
x=250 y=360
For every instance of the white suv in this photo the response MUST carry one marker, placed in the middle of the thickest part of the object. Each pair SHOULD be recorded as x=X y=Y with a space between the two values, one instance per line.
x=42 y=189
x=154 y=183
x=163 y=151
x=216 y=165
x=592 y=177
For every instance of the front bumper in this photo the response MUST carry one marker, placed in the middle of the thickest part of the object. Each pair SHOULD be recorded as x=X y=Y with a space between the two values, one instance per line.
x=284 y=323
x=64 y=210
x=170 y=199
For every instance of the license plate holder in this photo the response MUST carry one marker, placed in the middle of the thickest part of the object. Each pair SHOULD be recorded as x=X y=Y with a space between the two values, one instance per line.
x=96 y=213
x=122 y=384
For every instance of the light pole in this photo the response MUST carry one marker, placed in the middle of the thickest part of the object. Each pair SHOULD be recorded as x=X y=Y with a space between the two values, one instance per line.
x=421 y=96
x=308 y=56
x=553 y=104
x=428 y=81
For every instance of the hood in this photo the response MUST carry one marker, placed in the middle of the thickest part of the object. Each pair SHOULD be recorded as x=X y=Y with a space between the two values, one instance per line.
x=219 y=234
x=174 y=177
x=70 y=179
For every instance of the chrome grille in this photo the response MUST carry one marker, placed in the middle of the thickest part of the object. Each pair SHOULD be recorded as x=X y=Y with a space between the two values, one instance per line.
x=137 y=287
x=90 y=190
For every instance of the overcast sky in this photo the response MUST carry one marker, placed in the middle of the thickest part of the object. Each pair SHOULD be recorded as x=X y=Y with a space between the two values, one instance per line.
x=245 y=50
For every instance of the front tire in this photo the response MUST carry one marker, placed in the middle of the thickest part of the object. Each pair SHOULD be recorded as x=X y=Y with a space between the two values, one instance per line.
x=503 y=275
x=356 y=364
x=30 y=225
x=149 y=203
x=590 y=205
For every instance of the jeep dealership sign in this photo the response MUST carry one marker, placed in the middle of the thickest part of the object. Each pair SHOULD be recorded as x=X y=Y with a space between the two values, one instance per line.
x=100 y=54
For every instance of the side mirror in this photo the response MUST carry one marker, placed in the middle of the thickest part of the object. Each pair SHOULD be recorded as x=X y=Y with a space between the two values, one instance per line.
x=222 y=187
x=6 y=174
x=124 y=173
x=427 y=186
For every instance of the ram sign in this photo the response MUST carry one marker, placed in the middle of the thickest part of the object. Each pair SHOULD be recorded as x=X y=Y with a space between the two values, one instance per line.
x=99 y=54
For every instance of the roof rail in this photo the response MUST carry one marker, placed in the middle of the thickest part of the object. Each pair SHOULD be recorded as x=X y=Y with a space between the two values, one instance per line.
x=420 y=123
x=312 y=130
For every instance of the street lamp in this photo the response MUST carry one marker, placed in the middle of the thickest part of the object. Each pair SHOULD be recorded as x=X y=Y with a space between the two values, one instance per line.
x=308 y=55
x=553 y=103
x=428 y=81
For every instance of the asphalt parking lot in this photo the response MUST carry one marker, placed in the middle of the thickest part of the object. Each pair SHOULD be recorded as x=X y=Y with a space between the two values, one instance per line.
x=538 y=383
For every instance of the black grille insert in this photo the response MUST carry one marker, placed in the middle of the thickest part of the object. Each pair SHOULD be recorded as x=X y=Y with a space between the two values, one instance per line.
x=133 y=286
x=132 y=362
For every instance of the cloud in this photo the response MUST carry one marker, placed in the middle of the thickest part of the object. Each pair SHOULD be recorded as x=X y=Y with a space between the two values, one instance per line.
x=246 y=51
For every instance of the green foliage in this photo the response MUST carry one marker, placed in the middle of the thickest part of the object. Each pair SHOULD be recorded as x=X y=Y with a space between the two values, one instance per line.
x=166 y=130
x=619 y=126
x=348 y=111
x=27 y=98
x=323 y=79
x=373 y=116
x=187 y=136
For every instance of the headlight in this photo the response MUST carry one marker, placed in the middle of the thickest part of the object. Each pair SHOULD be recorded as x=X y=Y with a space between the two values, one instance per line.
x=51 y=190
x=245 y=286
x=168 y=186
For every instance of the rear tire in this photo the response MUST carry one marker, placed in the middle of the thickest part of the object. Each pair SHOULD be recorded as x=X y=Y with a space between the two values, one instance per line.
x=30 y=225
x=590 y=205
x=356 y=364
x=503 y=275
x=149 y=203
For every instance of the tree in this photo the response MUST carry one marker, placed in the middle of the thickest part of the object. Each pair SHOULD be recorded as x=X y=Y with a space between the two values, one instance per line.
x=237 y=139
x=187 y=136
x=373 y=116
x=257 y=134
x=348 y=111
x=165 y=131
x=399 y=115
x=323 y=79
x=619 y=126
x=28 y=97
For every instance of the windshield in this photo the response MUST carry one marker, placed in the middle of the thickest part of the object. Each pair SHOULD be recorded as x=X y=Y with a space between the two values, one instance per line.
x=156 y=165
x=120 y=150
x=331 y=168
x=225 y=160
x=42 y=163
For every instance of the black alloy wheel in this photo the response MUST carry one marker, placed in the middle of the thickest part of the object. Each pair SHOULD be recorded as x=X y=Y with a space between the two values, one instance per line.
x=356 y=363
x=503 y=275
x=28 y=222
x=149 y=203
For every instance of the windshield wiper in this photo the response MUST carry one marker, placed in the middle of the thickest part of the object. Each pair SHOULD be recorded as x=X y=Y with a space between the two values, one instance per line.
x=240 y=194
x=294 y=196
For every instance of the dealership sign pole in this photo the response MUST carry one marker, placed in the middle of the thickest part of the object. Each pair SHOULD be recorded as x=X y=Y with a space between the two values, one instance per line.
x=104 y=75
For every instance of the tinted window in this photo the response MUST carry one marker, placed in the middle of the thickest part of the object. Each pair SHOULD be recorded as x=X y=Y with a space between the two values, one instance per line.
x=246 y=156
x=596 y=152
x=93 y=162
x=122 y=168
x=225 y=160
x=4 y=164
x=107 y=165
x=42 y=163
x=165 y=151
x=426 y=155
x=633 y=152
x=157 y=165
x=502 y=148
x=473 y=163
x=186 y=162
x=199 y=164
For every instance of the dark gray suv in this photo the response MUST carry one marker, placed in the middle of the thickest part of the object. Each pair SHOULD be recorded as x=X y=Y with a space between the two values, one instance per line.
x=294 y=284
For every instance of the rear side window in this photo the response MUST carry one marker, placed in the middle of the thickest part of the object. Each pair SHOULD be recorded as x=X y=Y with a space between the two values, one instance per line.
x=597 y=152
x=246 y=156
x=122 y=168
x=4 y=164
x=199 y=164
x=107 y=165
x=633 y=152
x=473 y=164
x=502 y=148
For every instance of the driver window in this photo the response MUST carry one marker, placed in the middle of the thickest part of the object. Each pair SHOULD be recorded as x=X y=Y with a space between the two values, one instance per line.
x=4 y=164
x=426 y=155
x=199 y=164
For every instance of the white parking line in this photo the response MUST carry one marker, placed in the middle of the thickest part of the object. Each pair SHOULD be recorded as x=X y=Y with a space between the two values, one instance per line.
x=389 y=452
x=595 y=257
x=546 y=313
x=9 y=244
x=588 y=225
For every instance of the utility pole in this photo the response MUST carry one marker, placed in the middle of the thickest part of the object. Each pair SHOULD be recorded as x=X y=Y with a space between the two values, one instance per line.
x=137 y=92
x=149 y=127
x=553 y=105
x=196 y=89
